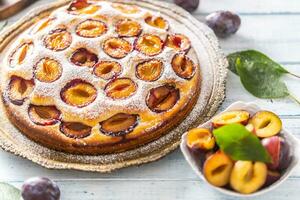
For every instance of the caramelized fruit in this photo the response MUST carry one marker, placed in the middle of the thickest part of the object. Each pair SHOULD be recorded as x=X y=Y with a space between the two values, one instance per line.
x=43 y=115
x=43 y=25
x=200 y=138
x=217 y=169
x=58 y=40
x=117 y=47
x=149 y=70
x=19 y=89
x=91 y=28
x=128 y=28
x=162 y=98
x=231 y=117
x=127 y=9
x=48 y=70
x=178 y=42
x=247 y=176
x=83 y=57
x=20 y=54
x=157 y=22
x=107 y=69
x=75 y=130
x=119 y=124
x=266 y=124
x=120 y=88
x=82 y=7
x=78 y=93
x=149 y=45
x=183 y=66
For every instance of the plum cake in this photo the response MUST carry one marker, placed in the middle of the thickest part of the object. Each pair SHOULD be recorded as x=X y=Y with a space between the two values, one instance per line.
x=98 y=77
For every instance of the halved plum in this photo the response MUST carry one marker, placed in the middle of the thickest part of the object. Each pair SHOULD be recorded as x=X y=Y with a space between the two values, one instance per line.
x=162 y=98
x=200 y=139
x=78 y=93
x=75 y=130
x=43 y=115
x=48 y=70
x=19 y=89
x=128 y=28
x=157 y=22
x=178 y=42
x=149 y=70
x=84 y=57
x=127 y=9
x=91 y=28
x=149 y=45
x=107 y=69
x=82 y=7
x=58 y=40
x=117 y=47
x=20 y=54
x=119 y=124
x=120 y=88
x=183 y=66
x=231 y=117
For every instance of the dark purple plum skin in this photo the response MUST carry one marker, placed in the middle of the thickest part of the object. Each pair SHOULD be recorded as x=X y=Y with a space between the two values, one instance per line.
x=189 y=5
x=40 y=188
x=223 y=23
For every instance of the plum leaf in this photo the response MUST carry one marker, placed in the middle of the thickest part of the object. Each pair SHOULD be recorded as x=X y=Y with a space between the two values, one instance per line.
x=9 y=192
x=240 y=144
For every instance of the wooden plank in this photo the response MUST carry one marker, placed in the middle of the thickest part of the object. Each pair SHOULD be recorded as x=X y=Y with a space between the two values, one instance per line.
x=159 y=190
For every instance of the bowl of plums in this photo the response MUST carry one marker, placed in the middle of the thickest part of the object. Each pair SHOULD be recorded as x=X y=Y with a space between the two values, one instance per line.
x=242 y=151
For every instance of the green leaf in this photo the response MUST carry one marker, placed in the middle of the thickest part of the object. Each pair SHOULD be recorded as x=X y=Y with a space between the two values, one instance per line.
x=9 y=192
x=240 y=144
x=259 y=74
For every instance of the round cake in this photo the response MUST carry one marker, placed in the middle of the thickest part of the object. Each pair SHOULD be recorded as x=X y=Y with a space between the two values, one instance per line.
x=98 y=77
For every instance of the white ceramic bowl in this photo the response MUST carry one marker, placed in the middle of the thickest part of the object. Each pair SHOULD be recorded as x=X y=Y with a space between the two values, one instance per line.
x=252 y=108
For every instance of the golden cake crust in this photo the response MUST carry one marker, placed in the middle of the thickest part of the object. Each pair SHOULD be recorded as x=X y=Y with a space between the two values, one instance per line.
x=99 y=98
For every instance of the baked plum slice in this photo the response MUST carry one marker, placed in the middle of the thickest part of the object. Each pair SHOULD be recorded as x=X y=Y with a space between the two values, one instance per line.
x=127 y=9
x=48 y=70
x=82 y=7
x=107 y=69
x=149 y=45
x=78 y=93
x=41 y=26
x=162 y=98
x=58 y=40
x=149 y=70
x=84 y=57
x=119 y=124
x=178 y=42
x=20 y=54
x=91 y=28
x=43 y=115
x=117 y=47
x=183 y=66
x=128 y=28
x=75 y=130
x=157 y=22
x=120 y=88
x=19 y=89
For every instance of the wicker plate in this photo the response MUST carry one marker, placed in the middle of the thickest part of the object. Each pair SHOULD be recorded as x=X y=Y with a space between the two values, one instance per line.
x=213 y=70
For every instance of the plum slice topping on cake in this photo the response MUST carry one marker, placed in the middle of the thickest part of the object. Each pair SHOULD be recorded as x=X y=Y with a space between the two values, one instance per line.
x=82 y=7
x=119 y=124
x=128 y=28
x=149 y=70
x=43 y=115
x=91 y=28
x=20 y=54
x=84 y=57
x=178 y=42
x=157 y=22
x=107 y=69
x=75 y=130
x=58 y=40
x=162 y=98
x=127 y=9
x=19 y=89
x=48 y=70
x=120 y=88
x=183 y=66
x=149 y=45
x=117 y=47
x=78 y=93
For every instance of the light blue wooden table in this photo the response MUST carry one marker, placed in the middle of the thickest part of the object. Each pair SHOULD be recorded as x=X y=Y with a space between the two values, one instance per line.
x=272 y=26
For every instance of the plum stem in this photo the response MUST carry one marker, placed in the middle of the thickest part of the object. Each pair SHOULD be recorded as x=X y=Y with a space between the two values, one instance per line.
x=295 y=98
